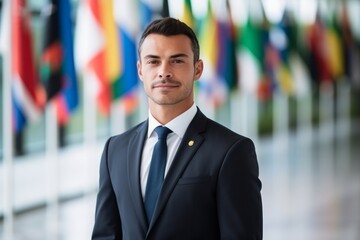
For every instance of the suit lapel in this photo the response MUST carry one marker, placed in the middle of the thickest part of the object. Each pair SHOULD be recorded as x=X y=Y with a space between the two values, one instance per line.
x=188 y=147
x=136 y=145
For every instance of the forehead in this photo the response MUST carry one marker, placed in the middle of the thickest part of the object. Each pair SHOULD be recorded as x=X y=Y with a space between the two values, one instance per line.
x=160 y=45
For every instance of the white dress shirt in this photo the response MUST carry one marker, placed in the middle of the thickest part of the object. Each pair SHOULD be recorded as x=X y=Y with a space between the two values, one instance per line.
x=178 y=127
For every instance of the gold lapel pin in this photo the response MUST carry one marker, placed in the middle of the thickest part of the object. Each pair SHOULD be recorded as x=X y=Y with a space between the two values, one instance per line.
x=190 y=143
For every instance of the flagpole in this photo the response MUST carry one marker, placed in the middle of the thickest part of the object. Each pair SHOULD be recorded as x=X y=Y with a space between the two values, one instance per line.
x=343 y=123
x=142 y=108
x=238 y=113
x=52 y=166
x=8 y=170
x=326 y=125
x=244 y=115
x=281 y=135
x=304 y=129
x=90 y=122
x=252 y=103
x=305 y=141
x=117 y=118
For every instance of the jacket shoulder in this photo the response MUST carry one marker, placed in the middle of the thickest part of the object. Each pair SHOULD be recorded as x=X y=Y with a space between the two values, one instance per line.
x=122 y=139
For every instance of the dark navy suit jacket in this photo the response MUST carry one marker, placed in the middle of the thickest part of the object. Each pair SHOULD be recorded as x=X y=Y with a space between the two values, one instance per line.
x=212 y=189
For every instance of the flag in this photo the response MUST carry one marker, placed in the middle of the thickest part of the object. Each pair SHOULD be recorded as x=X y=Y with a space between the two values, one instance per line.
x=251 y=54
x=128 y=27
x=187 y=15
x=295 y=61
x=57 y=60
x=97 y=49
x=351 y=50
x=320 y=68
x=227 y=61
x=334 y=47
x=27 y=92
x=217 y=41
x=210 y=87
x=280 y=47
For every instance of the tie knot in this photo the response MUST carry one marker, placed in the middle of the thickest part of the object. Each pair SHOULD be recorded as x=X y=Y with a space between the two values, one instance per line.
x=162 y=132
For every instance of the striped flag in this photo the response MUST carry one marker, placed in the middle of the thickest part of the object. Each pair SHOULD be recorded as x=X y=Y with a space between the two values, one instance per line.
x=320 y=68
x=297 y=67
x=212 y=86
x=187 y=15
x=97 y=49
x=128 y=26
x=27 y=92
x=226 y=60
x=277 y=55
x=251 y=54
x=57 y=60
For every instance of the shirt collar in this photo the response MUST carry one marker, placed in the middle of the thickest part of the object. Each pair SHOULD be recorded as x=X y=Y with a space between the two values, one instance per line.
x=178 y=125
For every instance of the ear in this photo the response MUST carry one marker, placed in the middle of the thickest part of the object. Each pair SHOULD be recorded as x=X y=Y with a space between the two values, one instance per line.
x=199 y=67
x=138 y=65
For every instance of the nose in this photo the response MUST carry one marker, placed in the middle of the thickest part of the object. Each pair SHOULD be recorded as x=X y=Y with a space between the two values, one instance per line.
x=165 y=72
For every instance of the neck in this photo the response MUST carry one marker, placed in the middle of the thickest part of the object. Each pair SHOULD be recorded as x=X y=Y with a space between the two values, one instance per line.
x=165 y=113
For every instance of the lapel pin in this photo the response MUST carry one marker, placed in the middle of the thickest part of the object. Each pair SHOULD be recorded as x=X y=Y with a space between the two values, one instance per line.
x=190 y=143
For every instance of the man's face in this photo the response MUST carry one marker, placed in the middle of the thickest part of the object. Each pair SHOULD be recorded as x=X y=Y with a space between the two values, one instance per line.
x=166 y=68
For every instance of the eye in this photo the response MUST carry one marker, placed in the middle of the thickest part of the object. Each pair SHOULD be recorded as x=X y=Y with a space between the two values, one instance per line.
x=177 y=61
x=152 y=61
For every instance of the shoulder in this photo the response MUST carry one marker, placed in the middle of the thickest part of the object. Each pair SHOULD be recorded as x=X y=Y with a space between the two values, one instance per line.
x=210 y=128
x=216 y=128
x=216 y=133
x=124 y=138
x=221 y=133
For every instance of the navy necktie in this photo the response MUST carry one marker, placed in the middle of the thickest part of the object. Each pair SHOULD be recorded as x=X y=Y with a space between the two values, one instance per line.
x=157 y=169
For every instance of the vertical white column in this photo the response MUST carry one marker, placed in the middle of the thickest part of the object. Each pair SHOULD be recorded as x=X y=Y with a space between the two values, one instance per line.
x=8 y=194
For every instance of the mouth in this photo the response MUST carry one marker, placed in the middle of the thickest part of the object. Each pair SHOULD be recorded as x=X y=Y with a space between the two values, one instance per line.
x=166 y=84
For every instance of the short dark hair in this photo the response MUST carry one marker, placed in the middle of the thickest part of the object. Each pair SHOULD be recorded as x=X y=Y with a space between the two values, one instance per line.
x=169 y=27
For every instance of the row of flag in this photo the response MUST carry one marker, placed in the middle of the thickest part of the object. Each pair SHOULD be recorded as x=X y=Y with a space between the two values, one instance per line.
x=53 y=77
x=99 y=50
x=258 y=57
x=284 y=57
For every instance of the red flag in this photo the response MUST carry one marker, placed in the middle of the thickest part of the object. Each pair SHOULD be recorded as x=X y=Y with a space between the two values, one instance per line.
x=320 y=67
x=28 y=97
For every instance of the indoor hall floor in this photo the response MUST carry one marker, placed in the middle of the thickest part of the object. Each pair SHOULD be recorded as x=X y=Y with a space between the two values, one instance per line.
x=311 y=191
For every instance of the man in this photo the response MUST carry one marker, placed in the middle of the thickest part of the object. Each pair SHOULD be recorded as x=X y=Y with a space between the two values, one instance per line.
x=210 y=188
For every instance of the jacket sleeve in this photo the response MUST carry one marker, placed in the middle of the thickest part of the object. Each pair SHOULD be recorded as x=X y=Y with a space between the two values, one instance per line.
x=238 y=193
x=107 y=220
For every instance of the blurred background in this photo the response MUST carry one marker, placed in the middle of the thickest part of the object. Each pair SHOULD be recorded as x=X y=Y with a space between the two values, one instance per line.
x=284 y=73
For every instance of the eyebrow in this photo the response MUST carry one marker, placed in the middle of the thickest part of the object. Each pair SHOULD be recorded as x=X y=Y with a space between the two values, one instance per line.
x=172 y=56
x=179 y=55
